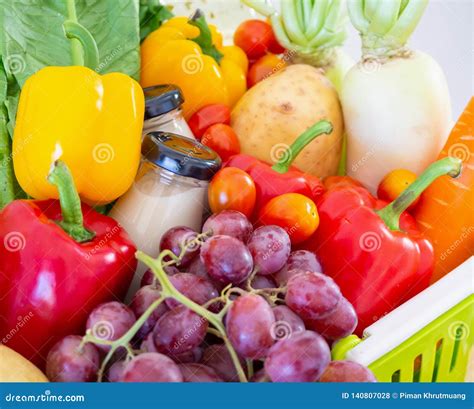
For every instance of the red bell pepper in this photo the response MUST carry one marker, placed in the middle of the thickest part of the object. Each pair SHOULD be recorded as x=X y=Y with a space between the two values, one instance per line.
x=57 y=262
x=271 y=181
x=374 y=251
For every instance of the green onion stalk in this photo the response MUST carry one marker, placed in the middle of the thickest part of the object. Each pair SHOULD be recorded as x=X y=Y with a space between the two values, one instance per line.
x=385 y=26
x=312 y=31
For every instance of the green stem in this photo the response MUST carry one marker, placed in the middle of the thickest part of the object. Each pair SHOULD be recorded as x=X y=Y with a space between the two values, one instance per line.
x=392 y=212
x=76 y=48
x=84 y=49
x=168 y=290
x=7 y=190
x=204 y=40
x=385 y=27
x=73 y=221
x=76 y=31
x=321 y=127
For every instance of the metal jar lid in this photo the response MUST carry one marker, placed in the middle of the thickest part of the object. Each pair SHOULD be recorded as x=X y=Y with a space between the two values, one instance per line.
x=180 y=155
x=161 y=99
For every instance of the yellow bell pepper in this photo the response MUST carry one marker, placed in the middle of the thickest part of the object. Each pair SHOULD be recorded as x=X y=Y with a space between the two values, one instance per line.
x=189 y=53
x=92 y=122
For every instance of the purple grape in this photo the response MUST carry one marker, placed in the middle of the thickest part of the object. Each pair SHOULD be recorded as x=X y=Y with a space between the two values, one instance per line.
x=301 y=358
x=179 y=236
x=110 y=321
x=298 y=260
x=338 y=324
x=198 y=269
x=312 y=295
x=115 y=372
x=347 y=371
x=218 y=358
x=148 y=344
x=151 y=367
x=143 y=298
x=270 y=247
x=195 y=288
x=67 y=361
x=286 y=324
x=249 y=326
x=179 y=330
x=149 y=277
x=190 y=357
x=260 y=282
x=229 y=223
x=199 y=373
x=226 y=259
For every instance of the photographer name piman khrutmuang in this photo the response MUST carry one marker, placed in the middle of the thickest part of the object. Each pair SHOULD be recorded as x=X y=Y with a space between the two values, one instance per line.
x=432 y=396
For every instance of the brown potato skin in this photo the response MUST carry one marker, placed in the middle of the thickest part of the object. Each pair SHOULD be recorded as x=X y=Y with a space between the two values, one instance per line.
x=15 y=368
x=277 y=110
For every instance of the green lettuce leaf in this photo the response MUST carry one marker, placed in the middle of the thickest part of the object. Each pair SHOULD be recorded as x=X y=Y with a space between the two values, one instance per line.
x=152 y=15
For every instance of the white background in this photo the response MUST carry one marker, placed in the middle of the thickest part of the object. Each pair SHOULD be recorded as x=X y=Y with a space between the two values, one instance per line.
x=445 y=32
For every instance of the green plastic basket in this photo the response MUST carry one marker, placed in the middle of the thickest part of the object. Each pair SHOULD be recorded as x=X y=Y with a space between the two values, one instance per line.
x=427 y=339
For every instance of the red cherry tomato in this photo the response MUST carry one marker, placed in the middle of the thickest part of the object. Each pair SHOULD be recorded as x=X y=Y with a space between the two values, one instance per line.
x=232 y=189
x=264 y=67
x=256 y=38
x=223 y=140
x=207 y=116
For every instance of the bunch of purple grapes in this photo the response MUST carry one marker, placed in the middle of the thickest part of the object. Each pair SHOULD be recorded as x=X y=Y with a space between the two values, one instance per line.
x=279 y=311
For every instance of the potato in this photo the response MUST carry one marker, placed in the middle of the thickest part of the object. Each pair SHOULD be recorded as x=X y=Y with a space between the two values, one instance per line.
x=15 y=368
x=273 y=113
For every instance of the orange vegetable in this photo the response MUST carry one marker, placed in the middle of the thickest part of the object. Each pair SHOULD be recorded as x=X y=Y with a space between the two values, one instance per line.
x=445 y=212
x=394 y=183
x=232 y=189
x=295 y=213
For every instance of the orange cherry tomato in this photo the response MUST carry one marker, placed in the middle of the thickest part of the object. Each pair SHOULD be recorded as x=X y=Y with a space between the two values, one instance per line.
x=295 y=213
x=223 y=140
x=232 y=189
x=394 y=183
x=264 y=67
x=208 y=116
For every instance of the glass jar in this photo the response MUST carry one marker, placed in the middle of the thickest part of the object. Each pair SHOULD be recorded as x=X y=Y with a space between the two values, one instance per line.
x=163 y=112
x=170 y=190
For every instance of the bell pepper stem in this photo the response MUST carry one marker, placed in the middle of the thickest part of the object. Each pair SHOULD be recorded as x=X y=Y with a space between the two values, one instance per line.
x=287 y=158
x=84 y=49
x=204 y=40
x=73 y=221
x=392 y=212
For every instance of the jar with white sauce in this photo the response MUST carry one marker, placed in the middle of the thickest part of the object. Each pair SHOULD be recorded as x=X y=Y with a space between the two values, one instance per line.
x=170 y=190
x=163 y=110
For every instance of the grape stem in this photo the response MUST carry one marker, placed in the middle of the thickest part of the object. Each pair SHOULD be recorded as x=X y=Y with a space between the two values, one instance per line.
x=169 y=291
